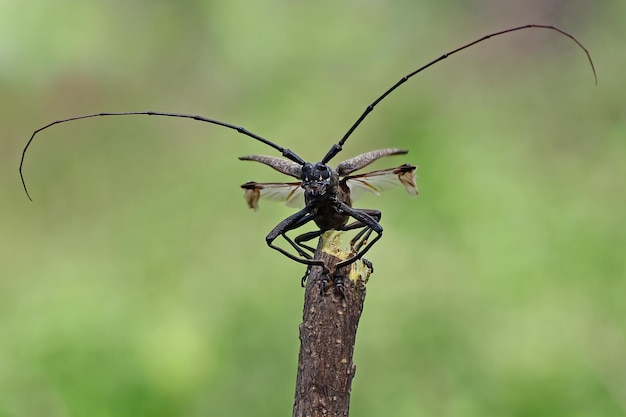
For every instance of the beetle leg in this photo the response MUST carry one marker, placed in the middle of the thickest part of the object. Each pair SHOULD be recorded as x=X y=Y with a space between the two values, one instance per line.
x=305 y=276
x=357 y=244
x=359 y=240
x=368 y=264
x=368 y=222
x=298 y=247
x=306 y=237
x=325 y=279
x=290 y=223
x=338 y=280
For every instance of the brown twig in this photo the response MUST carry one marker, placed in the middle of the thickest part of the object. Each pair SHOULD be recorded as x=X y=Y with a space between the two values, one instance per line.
x=328 y=334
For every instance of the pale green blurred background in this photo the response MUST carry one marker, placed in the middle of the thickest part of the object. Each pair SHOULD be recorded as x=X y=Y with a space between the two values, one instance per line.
x=138 y=283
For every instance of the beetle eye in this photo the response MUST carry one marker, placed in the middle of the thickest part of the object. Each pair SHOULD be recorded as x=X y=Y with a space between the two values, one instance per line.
x=306 y=171
x=323 y=171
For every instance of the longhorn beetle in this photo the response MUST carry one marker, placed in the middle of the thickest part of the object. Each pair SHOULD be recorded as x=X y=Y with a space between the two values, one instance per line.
x=327 y=192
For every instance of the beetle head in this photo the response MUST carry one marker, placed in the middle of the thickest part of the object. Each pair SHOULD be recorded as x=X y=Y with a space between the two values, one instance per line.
x=318 y=179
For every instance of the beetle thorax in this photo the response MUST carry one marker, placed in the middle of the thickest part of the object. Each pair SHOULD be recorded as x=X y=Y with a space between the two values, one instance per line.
x=318 y=181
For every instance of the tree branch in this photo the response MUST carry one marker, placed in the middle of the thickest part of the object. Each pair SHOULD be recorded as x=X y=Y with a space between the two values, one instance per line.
x=328 y=333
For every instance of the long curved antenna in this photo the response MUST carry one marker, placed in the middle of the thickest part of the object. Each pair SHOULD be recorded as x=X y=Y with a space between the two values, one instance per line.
x=336 y=148
x=287 y=153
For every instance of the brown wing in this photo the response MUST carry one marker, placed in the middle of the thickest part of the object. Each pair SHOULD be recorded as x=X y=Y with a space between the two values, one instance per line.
x=289 y=192
x=283 y=165
x=360 y=161
x=377 y=181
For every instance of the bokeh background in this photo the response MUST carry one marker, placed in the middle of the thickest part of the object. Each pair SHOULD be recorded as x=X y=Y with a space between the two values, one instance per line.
x=138 y=283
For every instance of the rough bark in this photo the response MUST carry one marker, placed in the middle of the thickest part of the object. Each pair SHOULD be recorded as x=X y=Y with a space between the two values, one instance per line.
x=328 y=334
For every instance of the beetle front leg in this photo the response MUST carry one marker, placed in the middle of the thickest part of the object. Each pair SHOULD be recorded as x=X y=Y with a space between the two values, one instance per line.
x=290 y=223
